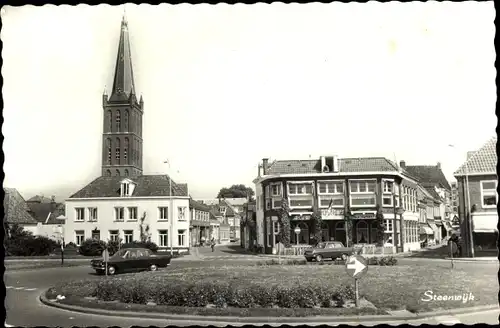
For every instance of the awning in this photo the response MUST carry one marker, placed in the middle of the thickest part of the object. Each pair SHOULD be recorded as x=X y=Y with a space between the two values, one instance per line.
x=485 y=223
x=433 y=226
x=426 y=231
x=447 y=226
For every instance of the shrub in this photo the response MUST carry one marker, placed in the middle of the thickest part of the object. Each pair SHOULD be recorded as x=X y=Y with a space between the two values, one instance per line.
x=29 y=245
x=142 y=244
x=113 y=246
x=92 y=247
x=218 y=293
x=383 y=261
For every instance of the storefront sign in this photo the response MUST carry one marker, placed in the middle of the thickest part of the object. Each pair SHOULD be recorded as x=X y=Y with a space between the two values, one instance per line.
x=332 y=214
x=301 y=217
x=363 y=216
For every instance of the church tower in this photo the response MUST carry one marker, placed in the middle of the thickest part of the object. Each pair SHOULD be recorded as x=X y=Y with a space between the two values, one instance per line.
x=122 y=130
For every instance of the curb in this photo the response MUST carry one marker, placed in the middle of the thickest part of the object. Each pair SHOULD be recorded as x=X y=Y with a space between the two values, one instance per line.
x=330 y=319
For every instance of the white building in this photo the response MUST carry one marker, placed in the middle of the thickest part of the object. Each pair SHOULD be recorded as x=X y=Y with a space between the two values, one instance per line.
x=115 y=207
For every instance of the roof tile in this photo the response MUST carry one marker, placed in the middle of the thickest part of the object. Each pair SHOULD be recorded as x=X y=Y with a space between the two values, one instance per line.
x=482 y=161
x=146 y=185
x=16 y=209
x=429 y=174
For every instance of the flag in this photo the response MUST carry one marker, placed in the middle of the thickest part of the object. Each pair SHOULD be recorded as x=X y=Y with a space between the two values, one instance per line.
x=330 y=205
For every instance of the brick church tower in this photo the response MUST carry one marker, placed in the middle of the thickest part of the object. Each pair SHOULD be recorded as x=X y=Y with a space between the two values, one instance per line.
x=122 y=131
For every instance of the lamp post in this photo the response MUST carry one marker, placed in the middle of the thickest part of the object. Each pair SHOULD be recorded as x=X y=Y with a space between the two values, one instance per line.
x=297 y=232
x=467 y=213
x=171 y=210
x=60 y=232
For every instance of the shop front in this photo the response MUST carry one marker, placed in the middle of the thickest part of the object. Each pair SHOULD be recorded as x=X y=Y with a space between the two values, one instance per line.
x=199 y=232
x=485 y=232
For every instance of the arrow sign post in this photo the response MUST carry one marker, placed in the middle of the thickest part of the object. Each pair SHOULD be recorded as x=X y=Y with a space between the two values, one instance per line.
x=356 y=267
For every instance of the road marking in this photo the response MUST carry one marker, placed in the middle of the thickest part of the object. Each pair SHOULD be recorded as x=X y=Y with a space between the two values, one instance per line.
x=7 y=325
x=447 y=320
x=20 y=288
x=30 y=289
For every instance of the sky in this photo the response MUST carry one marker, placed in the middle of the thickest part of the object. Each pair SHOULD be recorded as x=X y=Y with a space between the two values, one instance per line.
x=227 y=85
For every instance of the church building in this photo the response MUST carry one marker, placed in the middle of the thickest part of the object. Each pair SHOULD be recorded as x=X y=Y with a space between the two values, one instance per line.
x=123 y=203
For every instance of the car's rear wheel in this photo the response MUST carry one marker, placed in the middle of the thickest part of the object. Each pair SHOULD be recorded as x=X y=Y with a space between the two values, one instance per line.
x=111 y=270
x=153 y=267
x=319 y=258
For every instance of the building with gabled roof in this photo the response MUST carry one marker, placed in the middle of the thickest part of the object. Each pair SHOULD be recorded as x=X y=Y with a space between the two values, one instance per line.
x=123 y=203
x=432 y=178
x=337 y=188
x=477 y=182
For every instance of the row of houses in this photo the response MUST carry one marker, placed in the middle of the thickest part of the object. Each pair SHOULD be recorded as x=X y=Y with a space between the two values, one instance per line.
x=419 y=206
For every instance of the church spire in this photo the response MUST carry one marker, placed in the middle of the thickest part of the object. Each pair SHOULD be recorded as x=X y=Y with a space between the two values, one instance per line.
x=123 y=82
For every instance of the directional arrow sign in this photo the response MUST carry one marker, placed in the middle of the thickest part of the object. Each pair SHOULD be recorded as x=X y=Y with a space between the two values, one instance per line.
x=356 y=266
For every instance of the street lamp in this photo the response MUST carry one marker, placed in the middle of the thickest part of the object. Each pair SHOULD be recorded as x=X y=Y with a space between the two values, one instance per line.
x=59 y=230
x=468 y=216
x=171 y=209
x=297 y=232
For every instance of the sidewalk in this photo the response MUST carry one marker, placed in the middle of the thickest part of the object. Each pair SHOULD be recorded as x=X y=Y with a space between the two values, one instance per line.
x=474 y=259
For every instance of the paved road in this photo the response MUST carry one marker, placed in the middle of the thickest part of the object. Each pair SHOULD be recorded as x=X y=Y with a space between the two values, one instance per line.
x=24 y=287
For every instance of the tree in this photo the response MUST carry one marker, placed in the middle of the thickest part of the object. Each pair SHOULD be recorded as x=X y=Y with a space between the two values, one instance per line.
x=380 y=226
x=317 y=221
x=348 y=224
x=284 y=222
x=236 y=191
x=144 y=229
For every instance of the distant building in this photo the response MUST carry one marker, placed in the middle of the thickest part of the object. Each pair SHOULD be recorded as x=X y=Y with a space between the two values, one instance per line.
x=38 y=215
x=200 y=228
x=432 y=178
x=479 y=173
x=338 y=187
x=233 y=210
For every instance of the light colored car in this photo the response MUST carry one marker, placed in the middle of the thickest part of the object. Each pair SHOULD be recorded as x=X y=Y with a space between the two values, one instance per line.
x=328 y=250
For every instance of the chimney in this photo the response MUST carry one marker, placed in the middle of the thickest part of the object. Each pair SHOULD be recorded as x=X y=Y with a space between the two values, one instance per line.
x=438 y=165
x=402 y=164
x=265 y=162
x=335 y=163
x=52 y=204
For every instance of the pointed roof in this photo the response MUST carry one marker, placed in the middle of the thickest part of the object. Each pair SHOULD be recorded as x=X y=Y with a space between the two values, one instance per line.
x=123 y=82
x=482 y=161
x=16 y=209
x=429 y=174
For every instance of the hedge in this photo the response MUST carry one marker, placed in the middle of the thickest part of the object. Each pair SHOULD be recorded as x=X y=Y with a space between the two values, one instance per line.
x=93 y=247
x=217 y=294
x=383 y=261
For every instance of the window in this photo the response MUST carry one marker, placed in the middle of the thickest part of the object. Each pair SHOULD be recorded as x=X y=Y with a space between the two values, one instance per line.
x=108 y=148
x=113 y=235
x=79 y=237
x=181 y=213
x=117 y=151
x=117 y=172
x=300 y=194
x=132 y=213
x=489 y=193
x=108 y=173
x=80 y=214
x=129 y=236
x=275 y=189
x=388 y=226
x=93 y=214
x=126 y=145
x=331 y=193
x=163 y=238
x=125 y=189
x=362 y=192
x=110 y=121
x=387 y=192
x=125 y=121
x=181 y=234
x=125 y=173
x=119 y=216
x=118 y=121
x=162 y=213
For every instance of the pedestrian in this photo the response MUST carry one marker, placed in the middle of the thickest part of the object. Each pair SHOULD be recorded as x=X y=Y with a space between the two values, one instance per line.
x=212 y=244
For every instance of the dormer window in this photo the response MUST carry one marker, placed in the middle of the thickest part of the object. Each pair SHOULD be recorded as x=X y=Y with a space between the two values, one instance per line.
x=126 y=188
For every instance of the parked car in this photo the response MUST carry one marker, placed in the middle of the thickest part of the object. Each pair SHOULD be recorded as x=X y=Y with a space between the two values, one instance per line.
x=131 y=259
x=328 y=250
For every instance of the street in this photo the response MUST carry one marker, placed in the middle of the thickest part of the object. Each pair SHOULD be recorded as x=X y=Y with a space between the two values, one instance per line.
x=24 y=287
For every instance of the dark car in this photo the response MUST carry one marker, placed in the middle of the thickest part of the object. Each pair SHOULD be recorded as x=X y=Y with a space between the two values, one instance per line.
x=131 y=259
x=328 y=250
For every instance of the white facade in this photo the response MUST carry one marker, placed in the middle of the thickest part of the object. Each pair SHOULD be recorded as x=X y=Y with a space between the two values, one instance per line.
x=125 y=223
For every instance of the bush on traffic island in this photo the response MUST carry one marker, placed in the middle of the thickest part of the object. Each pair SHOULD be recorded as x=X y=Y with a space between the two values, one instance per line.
x=92 y=247
x=142 y=244
x=220 y=294
x=383 y=261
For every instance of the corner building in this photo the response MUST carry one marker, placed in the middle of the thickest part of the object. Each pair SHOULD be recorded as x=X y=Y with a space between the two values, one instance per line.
x=338 y=187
